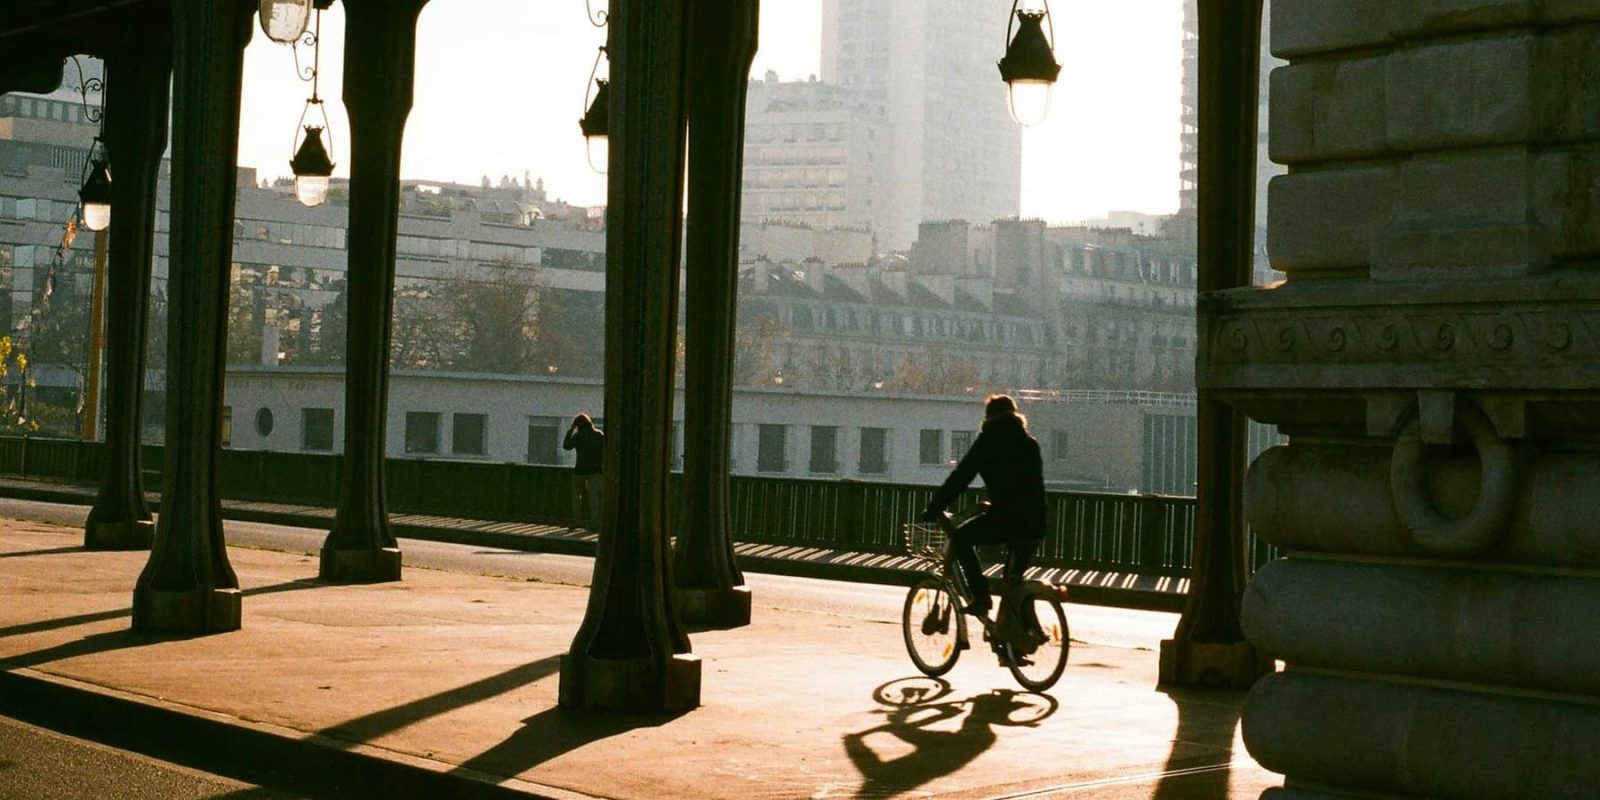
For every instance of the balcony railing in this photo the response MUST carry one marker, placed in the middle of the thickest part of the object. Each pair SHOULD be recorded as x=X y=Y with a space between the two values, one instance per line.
x=1142 y=534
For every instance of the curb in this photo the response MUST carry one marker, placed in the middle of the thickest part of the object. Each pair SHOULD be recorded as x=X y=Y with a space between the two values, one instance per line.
x=272 y=757
x=1087 y=594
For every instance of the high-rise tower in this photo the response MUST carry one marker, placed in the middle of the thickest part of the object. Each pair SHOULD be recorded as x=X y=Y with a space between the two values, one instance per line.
x=1189 y=169
x=954 y=152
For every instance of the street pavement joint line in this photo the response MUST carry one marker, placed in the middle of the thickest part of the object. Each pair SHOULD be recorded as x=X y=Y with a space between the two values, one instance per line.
x=1128 y=779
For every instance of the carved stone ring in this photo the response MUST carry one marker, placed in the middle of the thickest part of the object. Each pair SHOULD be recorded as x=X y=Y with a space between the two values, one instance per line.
x=1487 y=521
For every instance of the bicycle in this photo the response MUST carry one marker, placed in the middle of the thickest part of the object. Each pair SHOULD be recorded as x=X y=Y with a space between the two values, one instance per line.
x=1029 y=632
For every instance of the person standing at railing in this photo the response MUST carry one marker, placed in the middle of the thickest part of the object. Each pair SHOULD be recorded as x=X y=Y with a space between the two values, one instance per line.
x=590 y=442
x=1008 y=460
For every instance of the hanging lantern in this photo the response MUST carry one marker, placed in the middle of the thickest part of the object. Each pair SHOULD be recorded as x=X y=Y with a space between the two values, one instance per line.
x=596 y=121
x=312 y=169
x=596 y=125
x=95 y=195
x=311 y=164
x=1029 y=67
x=285 y=21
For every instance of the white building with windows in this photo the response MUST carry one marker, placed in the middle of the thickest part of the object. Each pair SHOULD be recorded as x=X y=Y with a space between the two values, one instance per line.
x=1112 y=441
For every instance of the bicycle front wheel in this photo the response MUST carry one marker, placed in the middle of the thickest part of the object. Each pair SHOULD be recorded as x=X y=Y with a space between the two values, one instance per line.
x=1037 y=662
x=932 y=626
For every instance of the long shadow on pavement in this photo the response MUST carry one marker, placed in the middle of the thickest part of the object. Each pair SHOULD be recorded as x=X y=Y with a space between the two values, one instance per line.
x=62 y=622
x=101 y=616
x=369 y=727
x=911 y=712
x=1202 y=746
x=53 y=551
x=552 y=733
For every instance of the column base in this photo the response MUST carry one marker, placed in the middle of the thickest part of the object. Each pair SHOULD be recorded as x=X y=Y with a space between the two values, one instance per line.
x=1234 y=665
x=630 y=684
x=197 y=611
x=716 y=608
x=119 y=535
x=377 y=565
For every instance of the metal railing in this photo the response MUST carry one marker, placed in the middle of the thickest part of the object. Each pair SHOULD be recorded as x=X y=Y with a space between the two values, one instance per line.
x=1142 y=534
x=1108 y=397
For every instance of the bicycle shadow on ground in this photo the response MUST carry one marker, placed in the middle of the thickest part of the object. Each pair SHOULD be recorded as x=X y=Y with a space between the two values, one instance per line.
x=913 y=747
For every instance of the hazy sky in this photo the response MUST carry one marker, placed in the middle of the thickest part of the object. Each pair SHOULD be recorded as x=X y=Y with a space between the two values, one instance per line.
x=500 y=86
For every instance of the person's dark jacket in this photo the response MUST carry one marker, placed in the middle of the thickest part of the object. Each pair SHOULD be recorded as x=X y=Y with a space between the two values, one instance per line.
x=591 y=446
x=1008 y=460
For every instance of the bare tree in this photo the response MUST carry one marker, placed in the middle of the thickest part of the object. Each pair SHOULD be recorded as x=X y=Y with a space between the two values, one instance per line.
x=934 y=371
x=755 y=350
x=481 y=320
x=416 y=332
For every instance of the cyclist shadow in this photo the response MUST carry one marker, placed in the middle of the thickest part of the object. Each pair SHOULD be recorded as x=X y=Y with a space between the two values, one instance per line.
x=914 y=709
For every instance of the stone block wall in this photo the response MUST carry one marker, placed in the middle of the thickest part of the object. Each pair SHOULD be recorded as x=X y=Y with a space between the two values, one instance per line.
x=1469 y=128
x=1434 y=358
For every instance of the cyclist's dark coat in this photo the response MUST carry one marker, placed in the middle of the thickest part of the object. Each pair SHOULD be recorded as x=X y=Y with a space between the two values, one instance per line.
x=1013 y=473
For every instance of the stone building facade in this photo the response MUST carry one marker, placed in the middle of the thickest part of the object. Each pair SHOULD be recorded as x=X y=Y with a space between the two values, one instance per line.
x=815 y=154
x=997 y=307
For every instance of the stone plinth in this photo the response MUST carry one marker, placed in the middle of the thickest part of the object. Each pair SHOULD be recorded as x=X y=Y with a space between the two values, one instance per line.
x=1232 y=665
x=641 y=685
x=375 y=565
x=198 y=611
x=714 y=608
x=136 y=535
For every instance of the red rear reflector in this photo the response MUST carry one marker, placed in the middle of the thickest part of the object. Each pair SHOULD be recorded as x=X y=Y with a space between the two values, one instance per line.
x=1061 y=592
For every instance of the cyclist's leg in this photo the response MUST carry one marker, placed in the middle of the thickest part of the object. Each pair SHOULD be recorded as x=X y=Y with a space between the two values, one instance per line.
x=980 y=530
x=1019 y=554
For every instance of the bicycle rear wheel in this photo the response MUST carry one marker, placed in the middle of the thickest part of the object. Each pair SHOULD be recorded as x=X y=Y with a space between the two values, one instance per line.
x=932 y=626
x=1038 y=663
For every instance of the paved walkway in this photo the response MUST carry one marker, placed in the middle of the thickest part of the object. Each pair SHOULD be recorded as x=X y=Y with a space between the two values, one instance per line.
x=456 y=675
x=1098 y=587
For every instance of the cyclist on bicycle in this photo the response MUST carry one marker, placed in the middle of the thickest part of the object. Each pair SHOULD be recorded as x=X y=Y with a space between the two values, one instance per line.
x=1008 y=460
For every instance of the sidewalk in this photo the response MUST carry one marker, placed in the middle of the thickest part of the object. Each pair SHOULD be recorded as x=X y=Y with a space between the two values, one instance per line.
x=434 y=685
x=1120 y=589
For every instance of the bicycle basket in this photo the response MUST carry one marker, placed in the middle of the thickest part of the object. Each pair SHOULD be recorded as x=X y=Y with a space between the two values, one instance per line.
x=925 y=540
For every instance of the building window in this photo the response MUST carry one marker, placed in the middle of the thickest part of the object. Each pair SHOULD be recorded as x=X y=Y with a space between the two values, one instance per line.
x=316 y=430
x=1058 y=445
x=874 y=451
x=422 y=431
x=932 y=442
x=264 y=422
x=468 y=433
x=960 y=443
x=543 y=436
x=771 y=441
x=824 y=449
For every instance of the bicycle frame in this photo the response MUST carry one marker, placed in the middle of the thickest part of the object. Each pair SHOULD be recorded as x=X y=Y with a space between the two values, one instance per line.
x=1012 y=589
